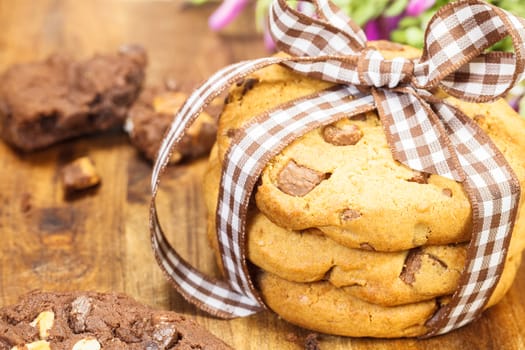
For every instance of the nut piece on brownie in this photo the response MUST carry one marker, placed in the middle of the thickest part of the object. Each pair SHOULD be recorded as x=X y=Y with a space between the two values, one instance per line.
x=150 y=117
x=42 y=103
x=94 y=321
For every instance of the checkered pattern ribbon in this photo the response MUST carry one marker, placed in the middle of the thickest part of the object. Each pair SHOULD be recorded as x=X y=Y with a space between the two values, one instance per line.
x=424 y=133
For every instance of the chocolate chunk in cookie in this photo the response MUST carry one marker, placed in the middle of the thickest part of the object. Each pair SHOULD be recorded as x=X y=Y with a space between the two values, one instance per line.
x=411 y=266
x=420 y=178
x=346 y=136
x=299 y=180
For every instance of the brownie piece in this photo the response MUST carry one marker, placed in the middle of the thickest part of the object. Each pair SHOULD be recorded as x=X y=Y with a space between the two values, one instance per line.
x=93 y=321
x=79 y=174
x=152 y=114
x=42 y=103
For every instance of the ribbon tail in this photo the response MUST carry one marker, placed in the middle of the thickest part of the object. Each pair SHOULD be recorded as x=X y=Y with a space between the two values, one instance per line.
x=415 y=134
x=209 y=294
x=494 y=193
x=454 y=57
x=256 y=143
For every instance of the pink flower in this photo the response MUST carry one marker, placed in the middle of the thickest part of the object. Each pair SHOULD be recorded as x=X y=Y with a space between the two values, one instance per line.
x=381 y=27
x=417 y=7
x=227 y=12
x=268 y=40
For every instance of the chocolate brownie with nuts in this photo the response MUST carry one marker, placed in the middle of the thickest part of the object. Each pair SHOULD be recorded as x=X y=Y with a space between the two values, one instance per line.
x=42 y=103
x=152 y=114
x=94 y=321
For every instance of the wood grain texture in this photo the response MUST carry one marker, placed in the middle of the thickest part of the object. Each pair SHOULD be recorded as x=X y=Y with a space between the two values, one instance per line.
x=100 y=241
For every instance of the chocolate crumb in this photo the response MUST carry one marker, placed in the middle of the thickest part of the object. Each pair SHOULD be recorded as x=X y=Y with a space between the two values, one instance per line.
x=232 y=132
x=438 y=260
x=171 y=84
x=359 y=117
x=312 y=342
x=25 y=202
x=350 y=214
x=447 y=192
x=479 y=118
x=248 y=85
x=292 y=337
x=420 y=178
x=367 y=246
x=239 y=82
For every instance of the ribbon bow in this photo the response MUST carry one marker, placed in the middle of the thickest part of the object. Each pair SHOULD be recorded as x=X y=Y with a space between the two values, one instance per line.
x=424 y=133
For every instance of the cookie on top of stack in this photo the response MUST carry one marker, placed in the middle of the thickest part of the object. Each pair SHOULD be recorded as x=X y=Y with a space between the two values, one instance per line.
x=347 y=240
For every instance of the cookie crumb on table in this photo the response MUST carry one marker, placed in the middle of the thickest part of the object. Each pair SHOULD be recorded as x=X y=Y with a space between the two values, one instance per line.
x=312 y=342
x=25 y=202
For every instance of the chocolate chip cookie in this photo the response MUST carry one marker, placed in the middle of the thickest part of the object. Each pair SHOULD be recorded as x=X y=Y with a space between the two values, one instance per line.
x=42 y=103
x=346 y=240
x=322 y=307
x=342 y=179
x=383 y=278
x=94 y=321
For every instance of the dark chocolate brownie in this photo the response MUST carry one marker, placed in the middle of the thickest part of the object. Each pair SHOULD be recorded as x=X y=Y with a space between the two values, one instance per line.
x=42 y=103
x=94 y=321
x=150 y=117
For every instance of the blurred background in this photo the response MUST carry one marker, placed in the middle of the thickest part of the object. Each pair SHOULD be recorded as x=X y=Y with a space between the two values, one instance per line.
x=175 y=34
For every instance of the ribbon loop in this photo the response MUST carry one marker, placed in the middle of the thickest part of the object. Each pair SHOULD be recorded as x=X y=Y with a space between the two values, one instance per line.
x=299 y=35
x=329 y=11
x=453 y=57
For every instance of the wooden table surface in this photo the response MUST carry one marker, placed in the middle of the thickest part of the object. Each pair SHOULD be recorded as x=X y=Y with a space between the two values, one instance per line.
x=100 y=241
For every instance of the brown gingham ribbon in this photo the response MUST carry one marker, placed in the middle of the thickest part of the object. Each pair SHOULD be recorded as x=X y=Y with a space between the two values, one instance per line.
x=424 y=133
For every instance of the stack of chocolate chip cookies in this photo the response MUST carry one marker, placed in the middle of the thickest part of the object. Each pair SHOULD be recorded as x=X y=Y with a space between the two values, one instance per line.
x=345 y=239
